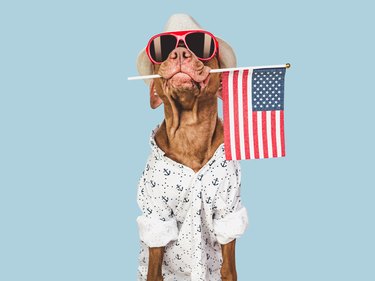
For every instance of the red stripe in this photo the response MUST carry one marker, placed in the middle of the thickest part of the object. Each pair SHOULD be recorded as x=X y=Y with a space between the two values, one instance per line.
x=245 y=113
x=228 y=154
x=273 y=133
x=255 y=135
x=235 y=105
x=282 y=133
x=264 y=134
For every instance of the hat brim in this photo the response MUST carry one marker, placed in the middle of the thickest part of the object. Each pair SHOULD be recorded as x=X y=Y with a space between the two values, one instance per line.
x=227 y=59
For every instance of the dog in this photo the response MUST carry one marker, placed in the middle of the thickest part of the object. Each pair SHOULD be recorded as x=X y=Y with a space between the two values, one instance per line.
x=189 y=194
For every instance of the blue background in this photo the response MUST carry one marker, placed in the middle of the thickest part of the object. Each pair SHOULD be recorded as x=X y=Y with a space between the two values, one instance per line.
x=74 y=137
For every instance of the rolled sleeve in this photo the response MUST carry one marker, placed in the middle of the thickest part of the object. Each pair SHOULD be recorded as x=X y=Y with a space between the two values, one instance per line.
x=157 y=233
x=231 y=227
x=230 y=217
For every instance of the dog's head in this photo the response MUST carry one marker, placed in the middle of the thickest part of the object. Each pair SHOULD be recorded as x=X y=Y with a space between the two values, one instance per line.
x=184 y=78
x=184 y=65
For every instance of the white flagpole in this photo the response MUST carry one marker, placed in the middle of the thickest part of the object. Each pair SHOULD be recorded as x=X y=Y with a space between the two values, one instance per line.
x=287 y=65
x=144 y=77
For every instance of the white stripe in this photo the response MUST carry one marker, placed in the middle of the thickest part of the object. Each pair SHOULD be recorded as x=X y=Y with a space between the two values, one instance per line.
x=278 y=136
x=269 y=134
x=240 y=115
x=260 y=134
x=231 y=115
x=250 y=112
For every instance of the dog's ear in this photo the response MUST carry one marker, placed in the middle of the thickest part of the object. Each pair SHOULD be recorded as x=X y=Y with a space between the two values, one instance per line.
x=155 y=100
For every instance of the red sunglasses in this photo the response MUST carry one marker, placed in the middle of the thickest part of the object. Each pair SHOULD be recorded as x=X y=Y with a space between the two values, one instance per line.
x=202 y=43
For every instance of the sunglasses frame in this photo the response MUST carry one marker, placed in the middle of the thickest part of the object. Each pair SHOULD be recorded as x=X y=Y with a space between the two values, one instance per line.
x=180 y=36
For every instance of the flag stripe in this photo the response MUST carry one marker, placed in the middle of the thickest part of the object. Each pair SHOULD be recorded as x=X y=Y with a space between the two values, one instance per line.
x=245 y=114
x=231 y=116
x=250 y=114
x=260 y=134
x=278 y=139
x=264 y=133
x=282 y=133
x=236 y=117
x=241 y=146
x=269 y=138
x=225 y=93
x=273 y=130
x=255 y=134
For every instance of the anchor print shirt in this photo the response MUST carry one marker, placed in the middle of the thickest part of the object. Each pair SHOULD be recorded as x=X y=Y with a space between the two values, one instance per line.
x=189 y=213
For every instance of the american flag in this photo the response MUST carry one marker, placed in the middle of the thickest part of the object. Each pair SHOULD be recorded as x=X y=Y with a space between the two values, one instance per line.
x=253 y=108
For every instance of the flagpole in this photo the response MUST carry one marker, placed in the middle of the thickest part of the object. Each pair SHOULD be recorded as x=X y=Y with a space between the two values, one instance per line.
x=217 y=70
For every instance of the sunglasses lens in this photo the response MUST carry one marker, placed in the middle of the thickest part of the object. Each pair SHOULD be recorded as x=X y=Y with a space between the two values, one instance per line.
x=201 y=44
x=161 y=47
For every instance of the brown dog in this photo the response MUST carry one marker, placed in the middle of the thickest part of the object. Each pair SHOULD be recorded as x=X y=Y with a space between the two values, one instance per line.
x=190 y=135
x=192 y=131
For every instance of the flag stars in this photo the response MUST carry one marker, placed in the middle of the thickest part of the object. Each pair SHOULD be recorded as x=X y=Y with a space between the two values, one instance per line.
x=267 y=90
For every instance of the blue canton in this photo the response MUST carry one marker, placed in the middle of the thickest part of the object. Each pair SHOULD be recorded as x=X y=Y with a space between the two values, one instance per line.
x=268 y=89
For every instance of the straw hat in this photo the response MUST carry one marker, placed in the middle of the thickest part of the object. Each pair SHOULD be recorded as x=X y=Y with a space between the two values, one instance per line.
x=178 y=22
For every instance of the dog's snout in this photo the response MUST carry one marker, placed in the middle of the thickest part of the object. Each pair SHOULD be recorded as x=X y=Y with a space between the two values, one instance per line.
x=180 y=53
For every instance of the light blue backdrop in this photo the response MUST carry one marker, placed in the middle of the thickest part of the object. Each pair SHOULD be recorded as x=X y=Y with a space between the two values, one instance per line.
x=74 y=137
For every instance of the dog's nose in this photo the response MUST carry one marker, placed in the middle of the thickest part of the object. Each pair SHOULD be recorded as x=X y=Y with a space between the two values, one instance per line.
x=180 y=53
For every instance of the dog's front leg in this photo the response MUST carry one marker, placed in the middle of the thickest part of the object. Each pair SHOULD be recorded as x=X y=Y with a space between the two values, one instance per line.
x=155 y=262
x=228 y=268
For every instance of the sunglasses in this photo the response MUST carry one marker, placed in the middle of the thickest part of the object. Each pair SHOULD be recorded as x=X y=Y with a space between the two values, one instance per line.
x=202 y=43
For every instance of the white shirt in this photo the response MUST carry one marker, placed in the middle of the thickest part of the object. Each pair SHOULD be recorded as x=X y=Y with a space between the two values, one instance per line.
x=189 y=213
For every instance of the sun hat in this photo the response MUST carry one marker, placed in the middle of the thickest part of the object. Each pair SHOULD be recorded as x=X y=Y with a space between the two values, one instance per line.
x=178 y=22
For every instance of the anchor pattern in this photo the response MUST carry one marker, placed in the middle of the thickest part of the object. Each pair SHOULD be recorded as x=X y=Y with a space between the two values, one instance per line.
x=171 y=193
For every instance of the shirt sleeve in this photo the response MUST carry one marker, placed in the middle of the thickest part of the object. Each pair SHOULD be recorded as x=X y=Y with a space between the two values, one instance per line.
x=230 y=217
x=157 y=225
